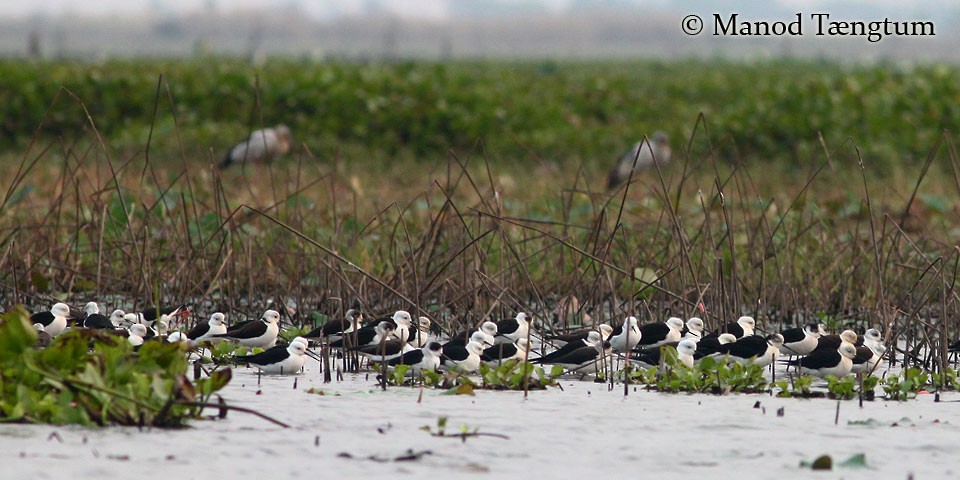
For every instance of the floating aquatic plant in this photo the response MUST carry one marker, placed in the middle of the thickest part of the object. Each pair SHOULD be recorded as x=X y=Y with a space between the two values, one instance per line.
x=842 y=388
x=709 y=375
x=906 y=385
x=946 y=379
x=91 y=378
x=465 y=431
x=510 y=375
x=796 y=387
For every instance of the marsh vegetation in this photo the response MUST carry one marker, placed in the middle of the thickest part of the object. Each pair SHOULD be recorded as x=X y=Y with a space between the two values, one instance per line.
x=798 y=191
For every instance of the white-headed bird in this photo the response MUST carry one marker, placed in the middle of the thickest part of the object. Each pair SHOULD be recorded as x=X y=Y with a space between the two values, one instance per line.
x=640 y=157
x=263 y=145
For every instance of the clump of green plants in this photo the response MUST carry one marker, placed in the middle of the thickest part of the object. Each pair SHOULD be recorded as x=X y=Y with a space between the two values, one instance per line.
x=906 y=385
x=94 y=379
x=797 y=387
x=739 y=377
x=511 y=375
x=845 y=388
x=517 y=375
x=869 y=386
x=223 y=352
x=842 y=388
x=398 y=376
x=709 y=375
x=946 y=379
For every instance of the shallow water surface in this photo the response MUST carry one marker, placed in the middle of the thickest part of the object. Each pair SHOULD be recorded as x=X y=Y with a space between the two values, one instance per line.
x=354 y=429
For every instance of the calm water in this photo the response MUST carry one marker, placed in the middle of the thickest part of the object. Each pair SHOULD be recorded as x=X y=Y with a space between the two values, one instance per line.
x=356 y=430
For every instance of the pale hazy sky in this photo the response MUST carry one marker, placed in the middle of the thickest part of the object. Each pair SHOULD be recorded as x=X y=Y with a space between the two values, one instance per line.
x=318 y=8
x=409 y=8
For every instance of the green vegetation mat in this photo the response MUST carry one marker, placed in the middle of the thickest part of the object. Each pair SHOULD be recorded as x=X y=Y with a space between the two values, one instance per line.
x=569 y=111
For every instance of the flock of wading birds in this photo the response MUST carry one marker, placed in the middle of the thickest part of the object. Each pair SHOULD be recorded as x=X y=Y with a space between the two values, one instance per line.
x=397 y=340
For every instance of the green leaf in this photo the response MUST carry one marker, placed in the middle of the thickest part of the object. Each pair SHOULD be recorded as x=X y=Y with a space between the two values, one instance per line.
x=216 y=381
x=399 y=374
x=858 y=460
x=17 y=335
x=432 y=378
x=220 y=378
x=462 y=389
x=707 y=364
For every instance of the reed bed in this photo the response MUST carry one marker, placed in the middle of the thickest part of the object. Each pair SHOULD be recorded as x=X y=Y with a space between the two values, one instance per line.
x=468 y=235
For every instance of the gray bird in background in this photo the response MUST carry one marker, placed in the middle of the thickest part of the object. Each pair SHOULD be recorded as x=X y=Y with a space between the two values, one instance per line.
x=263 y=145
x=661 y=154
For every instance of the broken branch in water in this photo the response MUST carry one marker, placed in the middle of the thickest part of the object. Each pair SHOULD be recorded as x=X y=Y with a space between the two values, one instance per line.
x=223 y=407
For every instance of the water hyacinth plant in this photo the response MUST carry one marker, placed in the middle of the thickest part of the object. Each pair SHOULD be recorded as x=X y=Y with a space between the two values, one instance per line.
x=511 y=375
x=842 y=388
x=710 y=375
x=906 y=385
x=946 y=380
x=96 y=379
x=796 y=387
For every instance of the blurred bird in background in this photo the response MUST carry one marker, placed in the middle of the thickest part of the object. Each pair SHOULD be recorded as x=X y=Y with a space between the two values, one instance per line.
x=640 y=157
x=263 y=145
